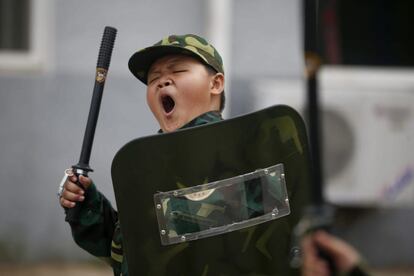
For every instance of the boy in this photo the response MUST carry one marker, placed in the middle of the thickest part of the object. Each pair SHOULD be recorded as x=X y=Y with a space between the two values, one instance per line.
x=185 y=87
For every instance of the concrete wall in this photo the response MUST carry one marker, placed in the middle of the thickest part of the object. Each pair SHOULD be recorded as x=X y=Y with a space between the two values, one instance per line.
x=43 y=114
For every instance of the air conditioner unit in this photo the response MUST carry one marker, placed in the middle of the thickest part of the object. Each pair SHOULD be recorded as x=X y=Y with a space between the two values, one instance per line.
x=368 y=132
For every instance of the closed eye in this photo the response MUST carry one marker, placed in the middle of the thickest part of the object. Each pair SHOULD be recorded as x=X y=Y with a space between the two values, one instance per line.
x=152 y=80
x=179 y=71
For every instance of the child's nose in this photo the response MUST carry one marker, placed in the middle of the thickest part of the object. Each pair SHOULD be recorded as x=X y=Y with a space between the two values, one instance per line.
x=164 y=82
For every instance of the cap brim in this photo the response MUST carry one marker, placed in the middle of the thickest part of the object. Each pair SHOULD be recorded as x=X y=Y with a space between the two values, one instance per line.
x=142 y=60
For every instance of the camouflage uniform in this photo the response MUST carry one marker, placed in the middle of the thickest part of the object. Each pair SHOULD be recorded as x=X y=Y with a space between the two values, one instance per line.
x=98 y=230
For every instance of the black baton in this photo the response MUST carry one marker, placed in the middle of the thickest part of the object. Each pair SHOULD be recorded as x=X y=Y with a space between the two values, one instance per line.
x=82 y=167
x=318 y=215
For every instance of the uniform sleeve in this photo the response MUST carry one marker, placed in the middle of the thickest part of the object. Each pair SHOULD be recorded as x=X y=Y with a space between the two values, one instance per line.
x=94 y=229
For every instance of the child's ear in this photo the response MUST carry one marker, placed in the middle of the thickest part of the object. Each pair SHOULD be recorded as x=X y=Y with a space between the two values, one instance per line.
x=217 y=84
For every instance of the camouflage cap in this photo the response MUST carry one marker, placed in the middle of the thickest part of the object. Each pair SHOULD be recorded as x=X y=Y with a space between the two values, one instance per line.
x=187 y=44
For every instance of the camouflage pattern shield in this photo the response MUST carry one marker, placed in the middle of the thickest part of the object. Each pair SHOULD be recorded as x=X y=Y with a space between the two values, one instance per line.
x=208 y=153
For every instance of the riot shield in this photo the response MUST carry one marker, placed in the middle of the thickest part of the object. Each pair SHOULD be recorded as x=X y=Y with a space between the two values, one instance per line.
x=217 y=199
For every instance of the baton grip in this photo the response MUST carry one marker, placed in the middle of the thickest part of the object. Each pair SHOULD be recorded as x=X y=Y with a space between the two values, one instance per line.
x=315 y=217
x=72 y=214
x=331 y=264
x=333 y=271
x=107 y=45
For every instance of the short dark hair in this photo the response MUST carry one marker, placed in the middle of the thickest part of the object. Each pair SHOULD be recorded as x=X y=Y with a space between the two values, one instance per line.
x=212 y=72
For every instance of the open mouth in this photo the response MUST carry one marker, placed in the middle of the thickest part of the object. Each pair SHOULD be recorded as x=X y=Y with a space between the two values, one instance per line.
x=167 y=103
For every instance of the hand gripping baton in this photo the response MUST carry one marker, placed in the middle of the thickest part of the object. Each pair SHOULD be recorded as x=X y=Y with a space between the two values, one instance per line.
x=82 y=168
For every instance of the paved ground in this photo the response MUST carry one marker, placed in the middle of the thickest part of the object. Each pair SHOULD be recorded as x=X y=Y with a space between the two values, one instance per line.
x=50 y=269
x=55 y=269
x=394 y=272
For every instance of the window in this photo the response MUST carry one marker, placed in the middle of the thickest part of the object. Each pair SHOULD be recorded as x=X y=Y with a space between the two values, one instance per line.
x=14 y=25
x=369 y=32
x=23 y=35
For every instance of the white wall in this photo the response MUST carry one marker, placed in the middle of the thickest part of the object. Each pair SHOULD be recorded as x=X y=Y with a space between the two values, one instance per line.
x=43 y=113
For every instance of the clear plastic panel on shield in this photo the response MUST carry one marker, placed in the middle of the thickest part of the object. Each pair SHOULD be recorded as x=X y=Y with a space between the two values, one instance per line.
x=222 y=206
